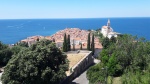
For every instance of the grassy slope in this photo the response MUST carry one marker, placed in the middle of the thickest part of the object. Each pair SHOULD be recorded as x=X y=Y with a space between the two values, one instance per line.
x=115 y=80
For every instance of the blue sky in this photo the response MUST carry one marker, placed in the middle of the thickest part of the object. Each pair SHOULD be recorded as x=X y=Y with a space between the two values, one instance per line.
x=26 y=9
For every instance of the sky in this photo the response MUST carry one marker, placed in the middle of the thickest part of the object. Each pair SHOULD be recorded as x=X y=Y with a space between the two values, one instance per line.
x=29 y=9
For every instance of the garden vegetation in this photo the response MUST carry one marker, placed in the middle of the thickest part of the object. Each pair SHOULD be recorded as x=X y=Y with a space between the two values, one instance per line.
x=127 y=57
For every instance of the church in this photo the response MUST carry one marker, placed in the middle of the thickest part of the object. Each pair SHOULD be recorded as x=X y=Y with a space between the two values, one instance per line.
x=107 y=31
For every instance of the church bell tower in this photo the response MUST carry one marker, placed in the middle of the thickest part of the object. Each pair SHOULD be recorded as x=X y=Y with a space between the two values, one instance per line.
x=108 y=24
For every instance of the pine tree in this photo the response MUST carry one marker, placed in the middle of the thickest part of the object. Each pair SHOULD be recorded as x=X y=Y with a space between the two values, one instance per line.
x=80 y=46
x=93 y=45
x=113 y=39
x=68 y=44
x=65 y=44
x=88 y=42
x=73 y=45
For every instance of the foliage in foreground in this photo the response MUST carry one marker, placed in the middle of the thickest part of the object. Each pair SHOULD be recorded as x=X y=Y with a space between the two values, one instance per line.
x=5 y=54
x=43 y=63
x=136 y=77
x=126 y=56
x=95 y=74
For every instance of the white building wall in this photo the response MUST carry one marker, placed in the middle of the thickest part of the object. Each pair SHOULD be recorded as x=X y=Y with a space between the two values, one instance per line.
x=76 y=42
x=104 y=31
x=110 y=35
x=59 y=44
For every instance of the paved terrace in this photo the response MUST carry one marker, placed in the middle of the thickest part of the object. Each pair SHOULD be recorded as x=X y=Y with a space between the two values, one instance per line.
x=79 y=61
x=74 y=58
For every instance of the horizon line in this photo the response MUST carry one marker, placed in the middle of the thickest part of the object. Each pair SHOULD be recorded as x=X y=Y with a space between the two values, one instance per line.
x=72 y=18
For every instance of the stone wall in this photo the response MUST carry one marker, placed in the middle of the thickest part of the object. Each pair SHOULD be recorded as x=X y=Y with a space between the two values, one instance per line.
x=82 y=65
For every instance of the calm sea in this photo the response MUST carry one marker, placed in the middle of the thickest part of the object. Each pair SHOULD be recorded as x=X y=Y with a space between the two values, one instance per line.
x=12 y=31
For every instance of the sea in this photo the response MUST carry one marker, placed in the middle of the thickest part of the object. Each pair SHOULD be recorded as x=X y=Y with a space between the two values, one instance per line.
x=14 y=30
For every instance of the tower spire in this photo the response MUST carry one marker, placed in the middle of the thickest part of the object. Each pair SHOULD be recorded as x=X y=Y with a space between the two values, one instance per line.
x=108 y=23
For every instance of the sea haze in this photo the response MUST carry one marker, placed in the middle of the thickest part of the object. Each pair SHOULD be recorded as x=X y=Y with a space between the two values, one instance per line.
x=12 y=31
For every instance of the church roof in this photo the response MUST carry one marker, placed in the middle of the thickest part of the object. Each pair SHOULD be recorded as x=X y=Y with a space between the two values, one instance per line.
x=104 y=27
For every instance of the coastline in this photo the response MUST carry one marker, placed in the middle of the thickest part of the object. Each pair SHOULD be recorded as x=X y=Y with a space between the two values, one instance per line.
x=24 y=28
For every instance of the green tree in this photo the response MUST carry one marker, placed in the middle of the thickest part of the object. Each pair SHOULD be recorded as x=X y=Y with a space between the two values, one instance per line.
x=3 y=46
x=23 y=44
x=65 y=43
x=42 y=63
x=88 y=42
x=104 y=56
x=5 y=54
x=68 y=44
x=73 y=45
x=96 y=74
x=100 y=35
x=128 y=57
x=17 y=48
x=113 y=39
x=80 y=46
x=114 y=69
x=37 y=39
x=105 y=42
x=93 y=45
x=136 y=77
